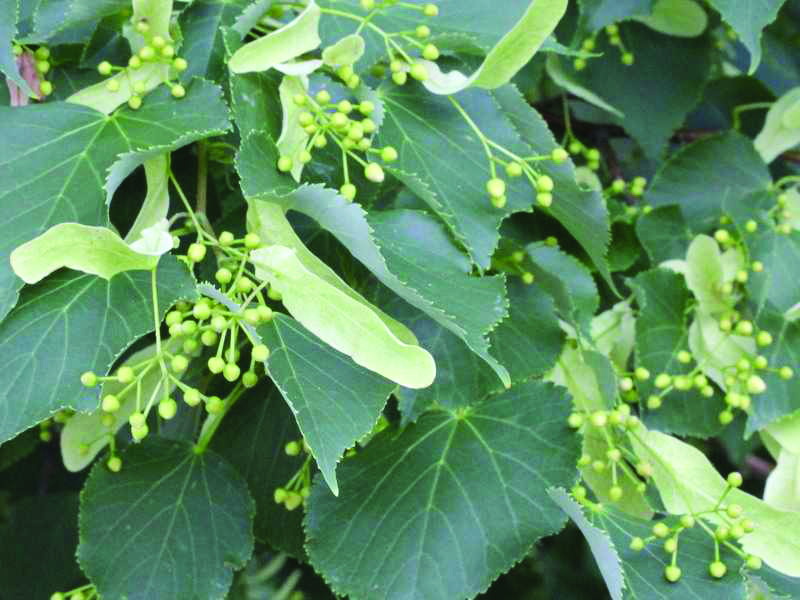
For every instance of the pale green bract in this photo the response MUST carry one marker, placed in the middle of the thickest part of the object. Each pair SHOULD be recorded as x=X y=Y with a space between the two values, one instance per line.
x=342 y=322
x=99 y=97
x=507 y=57
x=293 y=137
x=156 y=203
x=345 y=52
x=781 y=129
x=782 y=488
x=707 y=269
x=614 y=333
x=94 y=250
x=87 y=428
x=156 y=13
x=281 y=46
x=688 y=482
x=679 y=18
x=714 y=349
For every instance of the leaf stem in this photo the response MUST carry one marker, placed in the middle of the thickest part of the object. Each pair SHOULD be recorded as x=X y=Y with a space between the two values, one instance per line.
x=211 y=426
x=202 y=176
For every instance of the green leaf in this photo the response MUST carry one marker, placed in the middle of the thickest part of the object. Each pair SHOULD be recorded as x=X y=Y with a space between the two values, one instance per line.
x=568 y=281
x=702 y=175
x=662 y=332
x=88 y=429
x=781 y=129
x=334 y=401
x=341 y=321
x=658 y=91
x=71 y=323
x=688 y=482
x=252 y=438
x=94 y=250
x=582 y=212
x=280 y=46
x=59 y=167
x=613 y=333
x=203 y=24
x=715 y=349
x=599 y=13
x=172 y=524
x=565 y=77
x=32 y=524
x=784 y=587
x=602 y=547
x=588 y=376
x=443 y=162
x=411 y=253
x=293 y=137
x=462 y=497
x=779 y=253
x=680 y=18
x=9 y=12
x=664 y=234
x=782 y=488
x=644 y=571
x=345 y=52
x=748 y=18
x=511 y=53
x=53 y=16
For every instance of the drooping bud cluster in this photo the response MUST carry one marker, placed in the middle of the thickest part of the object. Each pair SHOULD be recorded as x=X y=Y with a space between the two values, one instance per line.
x=348 y=125
x=297 y=490
x=614 y=39
x=33 y=66
x=725 y=524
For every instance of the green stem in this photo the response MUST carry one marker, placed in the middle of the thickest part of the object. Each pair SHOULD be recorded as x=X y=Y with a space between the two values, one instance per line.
x=745 y=107
x=215 y=420
x=477 y=131
x=157 y=320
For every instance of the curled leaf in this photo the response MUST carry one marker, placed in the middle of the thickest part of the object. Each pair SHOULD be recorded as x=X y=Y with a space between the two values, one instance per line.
x=678 y=18
x=781 y=128
x=345 y=52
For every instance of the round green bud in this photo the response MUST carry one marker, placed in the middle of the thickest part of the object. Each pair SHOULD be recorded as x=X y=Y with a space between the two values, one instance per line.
x=231 y=372
x=430 y=10
x=528 y=278
x=356 y=131
x=672 y=573
x=422 y=31
x=158 y=42
x=615 y=493
x=687 y=521
x=418 y=72
x=744 y=328
x=627 y=58
x=430 y=52
x=139 y=433
x=654 y=402
x=142 y=26
x=89 y=379
x=662 y=380
x=626 y=384
x=112 y=85
x=279 y=495
x=671 y=545
x=226 y=238
x=367 y=4
x=251 y=316
x=545 y=183
x=575 y=420
x=374 y=172
x=660 y=530
x=134 y=62
x=201 y=311
x=722 y=236
x=682 y=382
x=285 y=164
x=741 y=276
x=496 y=187
x=753 y=562
x=135 y=102
x=46 y=88
x=216 y=364
x=559 y=155
x=717 y=569
x=137 y=419
x=196 y=252
x=764 y=338
x=614 y=455
x=389 y=154
x=260 y=353
x=174 y=317
x=110 y=403
x=735 y=479
x=292 y=501
x=264 y=313
x=179 y=363
x=734 y=511
x=192 y=397
x=751 y=226
x=223 y=276
x=147 y=52
x=178 y=91
x=167 y=408
x=785 y=373
x=125 y=374
x=180 y=64
x=252 y=241
x=215 y=405
x=114 y=464
x=104 y=68
x=598 y=419
x=249 y=379
x=209 y=337
x=637 y=544
x=760 y=362
x=756 y=385
x=400 y=77
x=353 y=81
x=684 y=357
x=293 y=448
x=107 y=420
x=645 y=469
x=757 y=266
x=748 y=525
x=244 y=285
x=725 y=417
x=42 y=53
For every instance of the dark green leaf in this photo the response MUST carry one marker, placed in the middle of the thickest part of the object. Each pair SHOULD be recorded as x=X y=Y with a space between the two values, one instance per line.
x=252 y=438
x=780 y=585
x=664 y=234
x=173 y=524
x=9 y=11
x=701 y=176
x=71 y=323
x=599 y=13
x=56 y=156
x=662 y=332
x=203 y=25
x=440 y=509
x=53 y=16
x=37 y=555
x=655 y=93
x=334 y=401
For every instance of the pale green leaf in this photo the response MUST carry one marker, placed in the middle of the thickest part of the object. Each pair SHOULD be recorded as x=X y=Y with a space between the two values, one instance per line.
x=715 y=350
x=293 y=137
x=782 y=488
x=781 y=130
x=680 y=18
x=171 y=525
x=71 y=323
x=786 y=432
x=584 y=374
x=280 y=46
x=688 y=482
x=87 y=430
x=441 y=508
x=341 y=321
x=508 y=56
x=748 y=18
x=614 y=332
x=705 y=274
x=156 y=13
x=94 y=250
x=9 y=12
x=156 y=202
x=345 y=52
x=334 y=401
